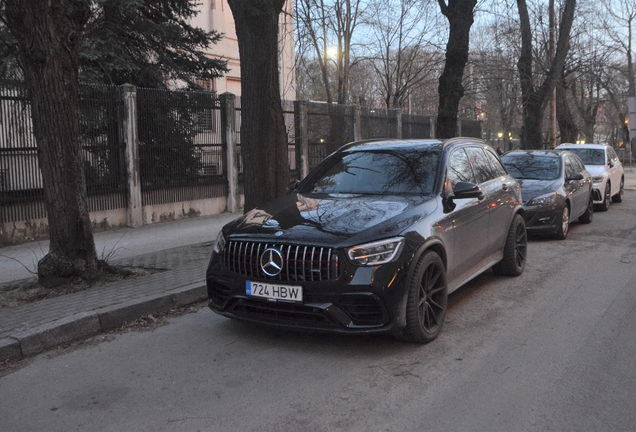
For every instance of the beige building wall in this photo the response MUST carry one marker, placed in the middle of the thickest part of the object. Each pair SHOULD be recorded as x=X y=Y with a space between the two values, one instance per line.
x=216 y=15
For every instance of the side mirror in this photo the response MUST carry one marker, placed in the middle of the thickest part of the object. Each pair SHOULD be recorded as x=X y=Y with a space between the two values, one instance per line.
x=463 y=190
x=292 y=186
x=610 y=163
x=575 y=176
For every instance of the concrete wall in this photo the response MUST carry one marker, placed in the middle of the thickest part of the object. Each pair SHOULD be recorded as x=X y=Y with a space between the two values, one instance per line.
x=38 y=229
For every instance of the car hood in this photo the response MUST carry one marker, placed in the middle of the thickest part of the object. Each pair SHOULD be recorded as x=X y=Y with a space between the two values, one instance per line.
x=596 y=170
x=331 y=219
x=534 y=188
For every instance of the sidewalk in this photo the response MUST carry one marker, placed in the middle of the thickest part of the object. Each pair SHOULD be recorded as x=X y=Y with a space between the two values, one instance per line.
x=181 y=249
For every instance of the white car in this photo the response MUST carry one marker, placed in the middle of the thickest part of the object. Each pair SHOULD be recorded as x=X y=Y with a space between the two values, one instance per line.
x=607 y=171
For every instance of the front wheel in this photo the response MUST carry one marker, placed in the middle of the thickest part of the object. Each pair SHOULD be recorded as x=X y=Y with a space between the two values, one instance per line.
x=564 y=226
x=586 y=217
x=427 y=298
x=515 y=249
x=604 y=206
x=618 y=198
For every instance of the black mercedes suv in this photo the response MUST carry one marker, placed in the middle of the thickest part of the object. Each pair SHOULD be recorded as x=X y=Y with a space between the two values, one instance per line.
x=373 y=240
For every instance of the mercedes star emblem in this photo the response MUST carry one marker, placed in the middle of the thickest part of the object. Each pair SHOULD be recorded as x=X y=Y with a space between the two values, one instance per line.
x=271 y=262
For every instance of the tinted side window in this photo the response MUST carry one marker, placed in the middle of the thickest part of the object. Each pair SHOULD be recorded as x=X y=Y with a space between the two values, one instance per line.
x=481 y=166
x=459 y=169
x=496 y=165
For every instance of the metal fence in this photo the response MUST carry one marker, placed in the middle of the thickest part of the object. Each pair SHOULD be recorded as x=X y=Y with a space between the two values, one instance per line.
x=182 y=156
x=180 y=148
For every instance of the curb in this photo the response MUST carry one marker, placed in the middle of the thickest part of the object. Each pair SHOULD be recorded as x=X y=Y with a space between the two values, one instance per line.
x=83 y=325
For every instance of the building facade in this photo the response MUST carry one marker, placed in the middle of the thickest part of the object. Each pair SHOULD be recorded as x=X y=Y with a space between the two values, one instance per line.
x=217 y=15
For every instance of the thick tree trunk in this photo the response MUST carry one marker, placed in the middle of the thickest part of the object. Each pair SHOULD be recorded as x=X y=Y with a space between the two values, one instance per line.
x=568 y=129
x=263 y=138
x=460 y=15
x=48 y=34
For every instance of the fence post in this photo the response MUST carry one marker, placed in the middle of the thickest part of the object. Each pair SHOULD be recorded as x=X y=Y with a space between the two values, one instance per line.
x=228 y=139
x=129 y=134
x=398 y=124
x=301 y=113
x=357 y=123
x=459 y=128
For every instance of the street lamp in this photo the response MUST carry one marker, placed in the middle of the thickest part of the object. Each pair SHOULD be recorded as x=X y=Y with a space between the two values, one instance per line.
x=499 y=144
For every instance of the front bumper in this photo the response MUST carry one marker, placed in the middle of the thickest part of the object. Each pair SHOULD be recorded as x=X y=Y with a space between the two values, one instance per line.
x=598 y=191
x=543 y=219
x=359 y=300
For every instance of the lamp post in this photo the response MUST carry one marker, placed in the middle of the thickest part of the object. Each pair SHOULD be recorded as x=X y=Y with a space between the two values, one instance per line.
x=499 y=142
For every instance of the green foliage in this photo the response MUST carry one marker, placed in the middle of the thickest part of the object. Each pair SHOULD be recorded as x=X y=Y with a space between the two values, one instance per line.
x=146 y=43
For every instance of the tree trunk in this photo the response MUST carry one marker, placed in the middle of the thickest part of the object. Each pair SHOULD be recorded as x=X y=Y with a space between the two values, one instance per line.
x=534 y=98
x=48 y=35
x=263 y=137
x=568 y=129
x=460 y=18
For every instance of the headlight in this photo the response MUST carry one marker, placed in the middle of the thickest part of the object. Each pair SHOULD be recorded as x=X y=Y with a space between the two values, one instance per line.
x=220 y=243
x=543 y=200
x=598 y=179
x=376 y=253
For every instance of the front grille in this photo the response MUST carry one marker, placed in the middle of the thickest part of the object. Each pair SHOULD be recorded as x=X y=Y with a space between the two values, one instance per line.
x=300 y=263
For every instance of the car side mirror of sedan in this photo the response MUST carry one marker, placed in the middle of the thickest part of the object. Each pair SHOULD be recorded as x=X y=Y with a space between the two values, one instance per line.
x=292 y=186
x=575 y=176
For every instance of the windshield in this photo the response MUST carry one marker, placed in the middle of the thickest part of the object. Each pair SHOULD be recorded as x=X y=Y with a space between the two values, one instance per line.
x=531 y=167
x=590 y=156
x=378 y=172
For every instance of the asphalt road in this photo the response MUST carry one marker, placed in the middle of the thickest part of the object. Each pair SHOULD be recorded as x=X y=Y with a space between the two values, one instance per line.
x=551 y=350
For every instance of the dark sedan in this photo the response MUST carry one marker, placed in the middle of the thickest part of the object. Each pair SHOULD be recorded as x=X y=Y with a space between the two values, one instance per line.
x=373 y=240
x=556 y=189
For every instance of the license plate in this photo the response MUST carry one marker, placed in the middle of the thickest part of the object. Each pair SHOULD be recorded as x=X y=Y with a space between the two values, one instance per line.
x=274 y=291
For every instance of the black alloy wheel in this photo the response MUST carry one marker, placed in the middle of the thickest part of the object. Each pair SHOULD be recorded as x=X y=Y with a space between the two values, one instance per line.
x=427 y=299
x=564 y=226
x=515 y=250
x=586 y=217
x=618 y=198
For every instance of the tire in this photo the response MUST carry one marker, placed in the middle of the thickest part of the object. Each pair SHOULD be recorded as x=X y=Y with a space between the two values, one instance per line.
x=564 y=226
x=604 y=206
x=515 y=250
x=586 y=217
x=618 y=198
x=427 y=300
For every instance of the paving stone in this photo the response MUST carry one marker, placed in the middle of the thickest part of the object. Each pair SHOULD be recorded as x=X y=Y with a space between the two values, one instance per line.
x=41 y=325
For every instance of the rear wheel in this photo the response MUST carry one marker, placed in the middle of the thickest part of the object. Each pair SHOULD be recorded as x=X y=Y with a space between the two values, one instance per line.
x=564 y=226
x=586 y=217
x=427 y=298
x=515 y=250
x=618 y=198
